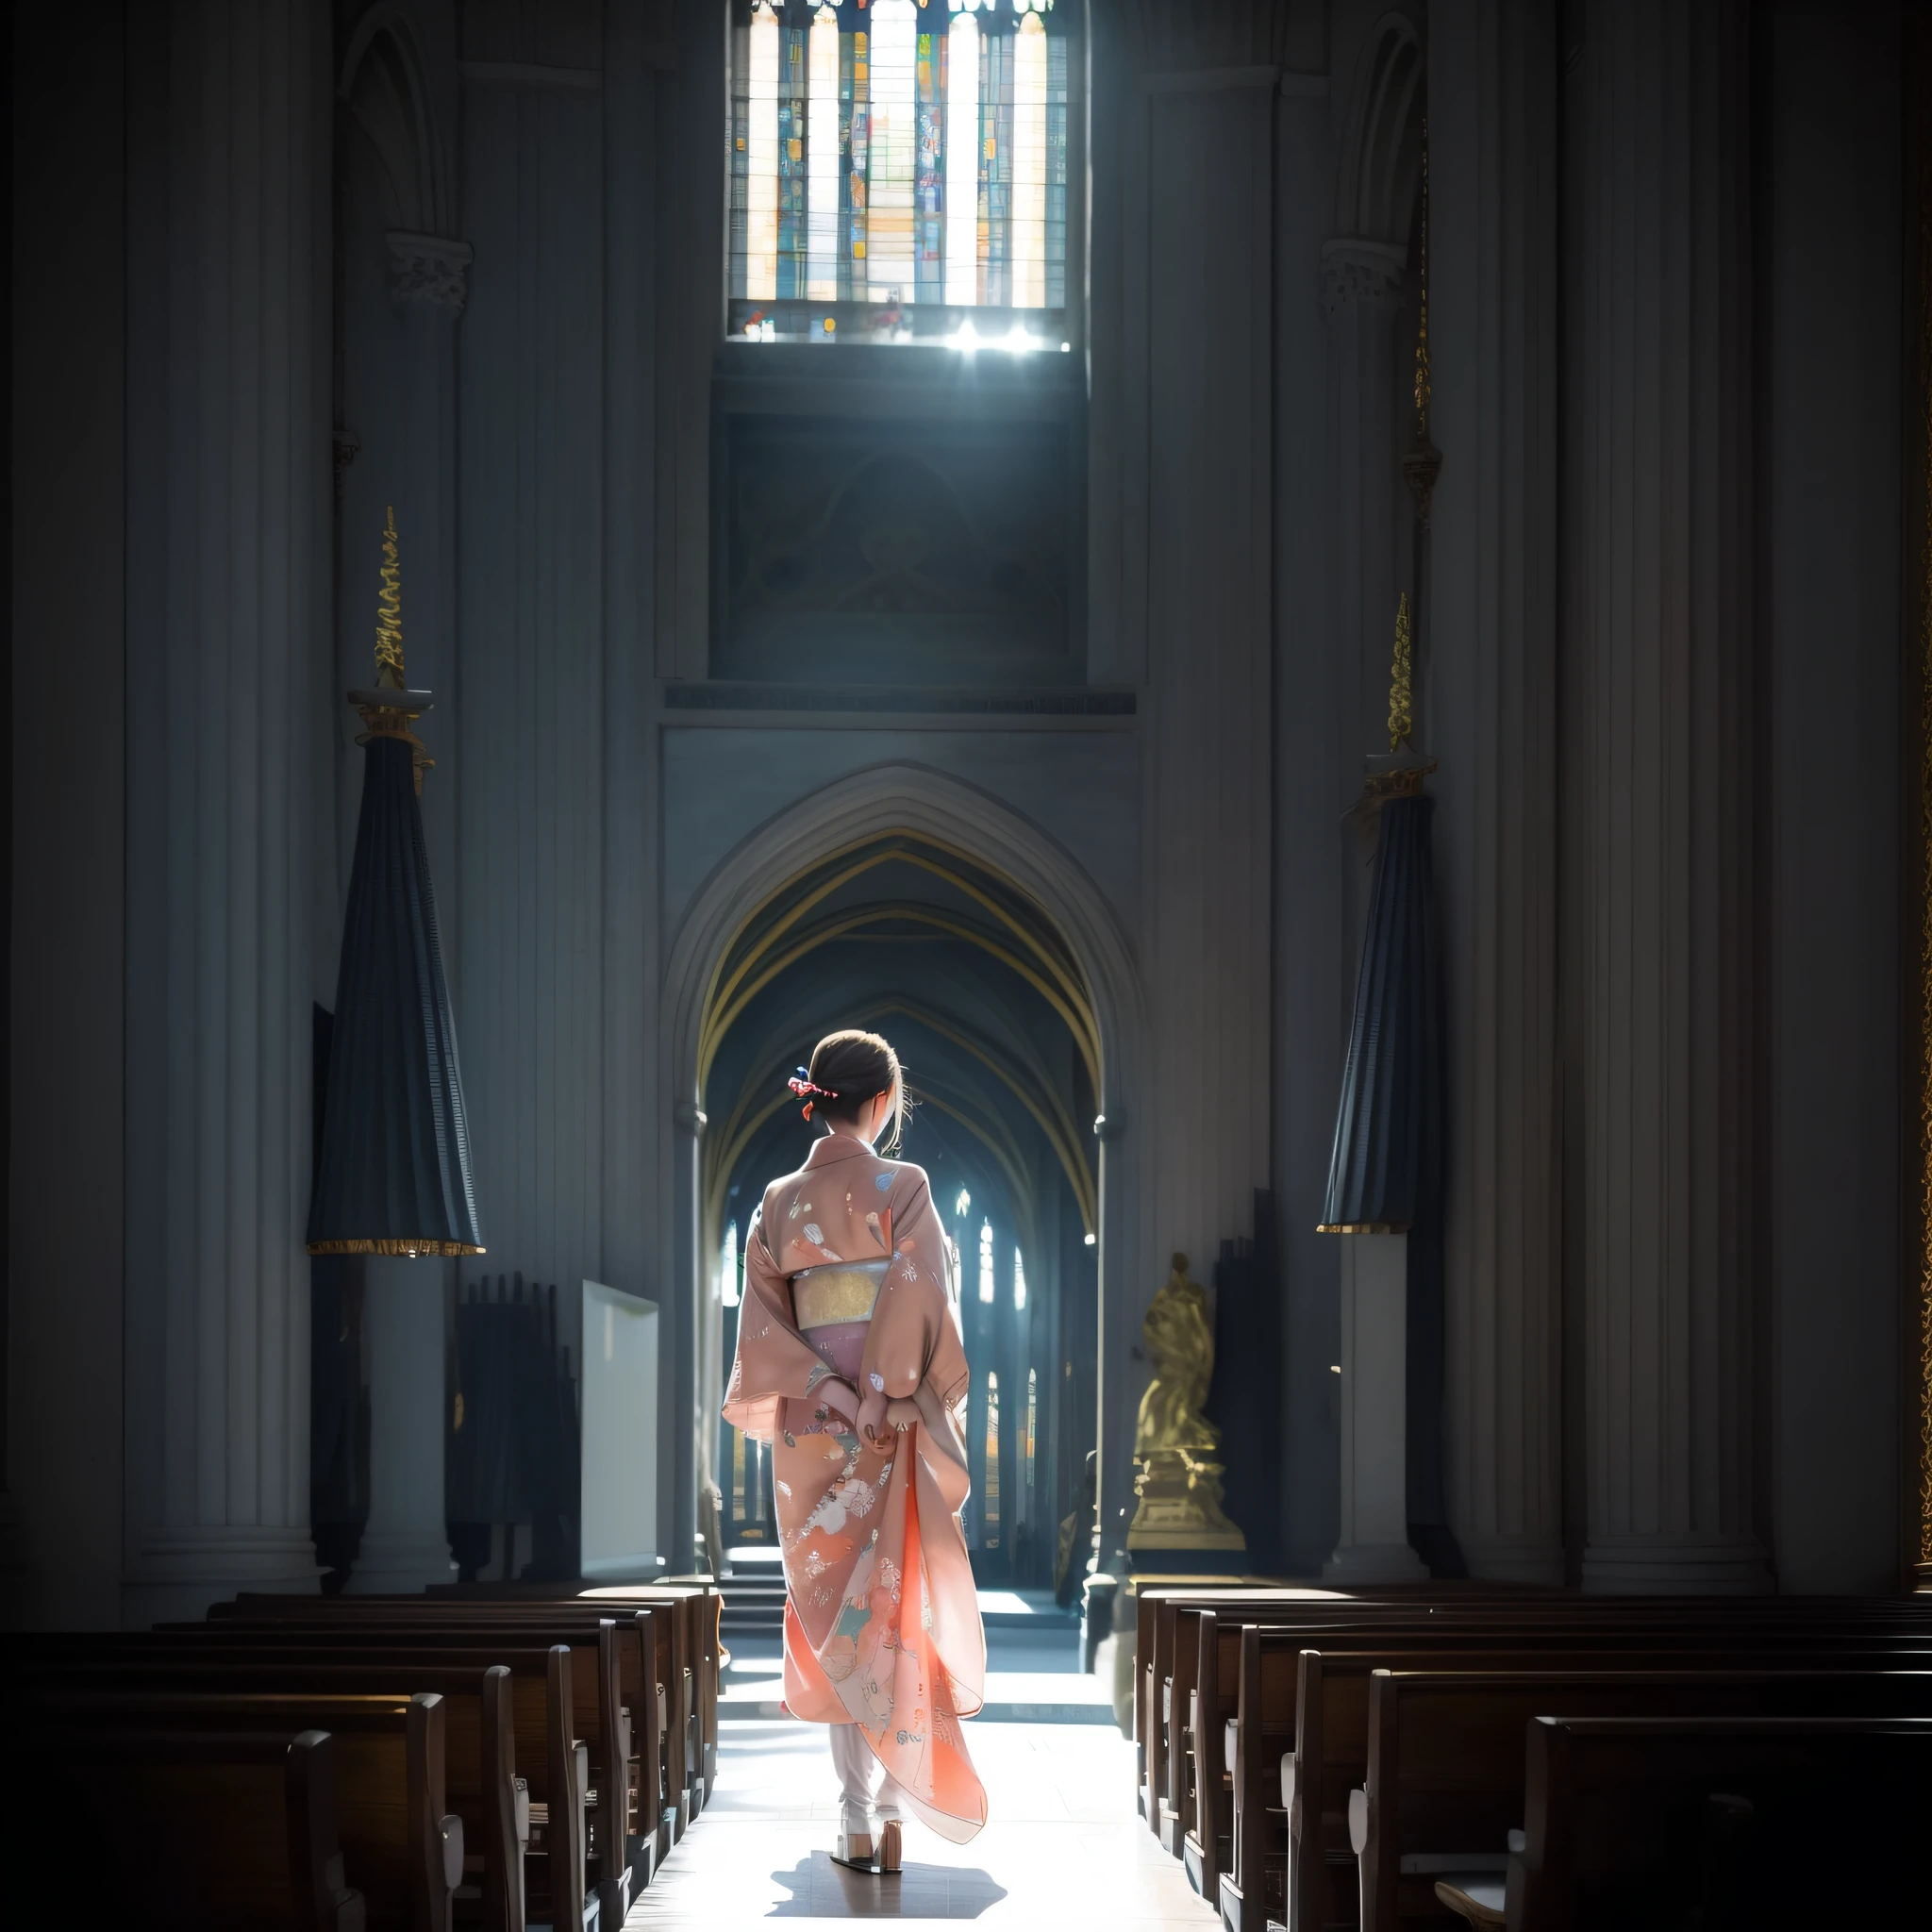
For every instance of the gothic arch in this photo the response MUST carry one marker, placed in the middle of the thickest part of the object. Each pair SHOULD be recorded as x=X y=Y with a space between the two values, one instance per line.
x=931 y=805
x=1380 y=155
x=384 y=88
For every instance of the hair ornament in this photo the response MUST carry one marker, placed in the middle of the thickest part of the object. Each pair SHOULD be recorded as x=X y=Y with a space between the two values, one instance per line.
x=801 y=1084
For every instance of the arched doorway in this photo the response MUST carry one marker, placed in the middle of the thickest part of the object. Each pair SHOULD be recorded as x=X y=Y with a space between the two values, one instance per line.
x=993 y=1019
x=905 y=899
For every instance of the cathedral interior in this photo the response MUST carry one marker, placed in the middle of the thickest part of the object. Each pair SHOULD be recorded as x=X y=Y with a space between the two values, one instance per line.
x=1322 y=610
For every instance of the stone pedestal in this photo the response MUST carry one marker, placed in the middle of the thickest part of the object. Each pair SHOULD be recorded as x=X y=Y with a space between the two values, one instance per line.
x=1374 y=1546
x=406 y=1546
x=1179 y=1513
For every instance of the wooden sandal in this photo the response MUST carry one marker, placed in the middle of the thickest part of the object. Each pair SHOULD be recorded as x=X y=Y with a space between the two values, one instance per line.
x=889 y=1847
x=855 y=1850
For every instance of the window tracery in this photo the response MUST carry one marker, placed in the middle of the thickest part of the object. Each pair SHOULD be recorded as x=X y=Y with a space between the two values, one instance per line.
x=897 y=169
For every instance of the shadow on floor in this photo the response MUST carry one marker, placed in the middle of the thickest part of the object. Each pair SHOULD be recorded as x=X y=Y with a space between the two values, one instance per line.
x=822 y=1888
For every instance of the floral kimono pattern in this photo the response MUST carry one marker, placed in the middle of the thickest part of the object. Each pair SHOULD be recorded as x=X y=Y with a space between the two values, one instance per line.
x=882 y=1625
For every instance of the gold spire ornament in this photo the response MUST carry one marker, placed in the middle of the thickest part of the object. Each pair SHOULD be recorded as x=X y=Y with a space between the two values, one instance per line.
x=1401 y=682
x=1423 y=463
x=390 y=709
x=389 y=612
x=1399 y=771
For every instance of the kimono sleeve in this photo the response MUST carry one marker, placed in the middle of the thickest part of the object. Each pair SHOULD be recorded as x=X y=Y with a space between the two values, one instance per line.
x=914 y=1337
x=773 y=1363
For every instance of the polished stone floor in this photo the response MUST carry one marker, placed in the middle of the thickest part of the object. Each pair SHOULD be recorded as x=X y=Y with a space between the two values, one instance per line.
x=1064 y=1846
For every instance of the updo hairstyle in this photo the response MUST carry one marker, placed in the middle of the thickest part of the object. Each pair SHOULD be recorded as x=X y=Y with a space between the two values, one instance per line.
x=854 y=1068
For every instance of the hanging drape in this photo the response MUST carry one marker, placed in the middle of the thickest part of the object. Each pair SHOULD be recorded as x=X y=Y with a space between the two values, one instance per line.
x=1388 y=1129
x=1385 y=1172
x=393 y=1176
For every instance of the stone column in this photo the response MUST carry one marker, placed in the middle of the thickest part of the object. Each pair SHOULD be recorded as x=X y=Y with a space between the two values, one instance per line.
x=406 y=1542
x=228 y=654
x=1491 y=625
x=1374 y=1546
x=1208 y=798
x=1658 y=610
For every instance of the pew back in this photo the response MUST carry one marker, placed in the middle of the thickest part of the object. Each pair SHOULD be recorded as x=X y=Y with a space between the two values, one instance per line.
x=223 y=1831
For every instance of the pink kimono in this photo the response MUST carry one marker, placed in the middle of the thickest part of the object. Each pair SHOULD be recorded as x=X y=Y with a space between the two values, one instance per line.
x=882 y=1624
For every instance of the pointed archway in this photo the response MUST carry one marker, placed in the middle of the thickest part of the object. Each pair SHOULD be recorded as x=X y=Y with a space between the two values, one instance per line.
x=797 y=886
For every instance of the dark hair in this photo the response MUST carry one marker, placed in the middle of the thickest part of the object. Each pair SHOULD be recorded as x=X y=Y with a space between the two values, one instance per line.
x=853 y=1068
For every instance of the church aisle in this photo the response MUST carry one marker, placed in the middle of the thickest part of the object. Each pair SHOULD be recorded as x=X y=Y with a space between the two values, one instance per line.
x=1063 y=1847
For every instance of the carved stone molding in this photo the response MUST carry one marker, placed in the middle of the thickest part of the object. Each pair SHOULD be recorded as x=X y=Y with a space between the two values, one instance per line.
x=428 y=267
x=1356 y=272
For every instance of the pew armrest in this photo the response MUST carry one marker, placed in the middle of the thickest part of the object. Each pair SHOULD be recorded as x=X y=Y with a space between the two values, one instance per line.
x=524 y=1813
x=1358 y=1820
x=1288 y=1781
x=450 y=1830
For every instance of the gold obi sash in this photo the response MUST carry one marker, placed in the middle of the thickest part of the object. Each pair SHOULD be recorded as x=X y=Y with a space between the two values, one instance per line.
x=840 y=1292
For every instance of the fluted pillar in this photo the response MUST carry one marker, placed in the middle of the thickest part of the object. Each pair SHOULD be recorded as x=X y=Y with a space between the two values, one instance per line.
x=228 y=660
x=1210 y=794
x=1660 y=617
x=1491 y=641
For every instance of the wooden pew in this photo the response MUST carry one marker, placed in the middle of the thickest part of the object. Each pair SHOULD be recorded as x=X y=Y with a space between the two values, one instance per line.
x=1173 y=1660
x=219 y=1831
x=1445 y=1773
x=509 y=1711
x=634 y=1654
x=401 y=1846
x=1157 y=1642
x=1295 y=1858
x=696 y=1602
x=684 y=1616
x=1618 y=1811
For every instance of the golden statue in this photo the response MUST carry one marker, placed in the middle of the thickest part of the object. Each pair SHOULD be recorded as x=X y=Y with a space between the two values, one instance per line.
x=1180 y=1344
x=1179 y=1482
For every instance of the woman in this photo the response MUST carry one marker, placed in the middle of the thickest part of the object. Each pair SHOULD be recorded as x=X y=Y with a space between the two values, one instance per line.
x=850 y=1364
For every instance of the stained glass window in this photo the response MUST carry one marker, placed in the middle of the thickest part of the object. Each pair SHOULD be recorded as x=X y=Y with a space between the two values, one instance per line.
x=899 y=172
x=1032 y=1420
x=1019 y=1281
x=727 y=1265
x=990 y=1505
x=986 y=1287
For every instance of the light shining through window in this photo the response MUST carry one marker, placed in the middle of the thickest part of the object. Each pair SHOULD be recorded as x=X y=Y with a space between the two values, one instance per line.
x=897 y=169
x=989 y=1508
x=822 y=151
x=1019 y=1281
x=986 y=1289
x=963 y=1206
x=761 y=156
x=1029 y=164
x=962 y=161
x=727 y=1265
x=889 y=260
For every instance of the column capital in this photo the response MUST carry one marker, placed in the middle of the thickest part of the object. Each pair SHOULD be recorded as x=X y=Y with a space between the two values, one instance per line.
x=428 y=267
x=1357 y=271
